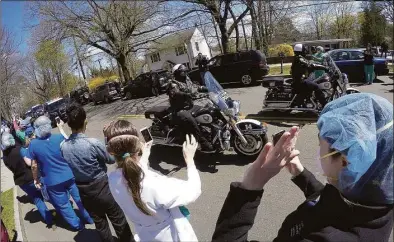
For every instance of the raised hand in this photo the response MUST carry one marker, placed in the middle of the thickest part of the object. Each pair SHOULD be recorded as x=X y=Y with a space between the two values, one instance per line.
x=270 y=161
x=189 y=149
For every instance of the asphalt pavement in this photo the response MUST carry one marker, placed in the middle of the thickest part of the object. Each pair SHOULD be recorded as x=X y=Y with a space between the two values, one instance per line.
x=281 y=196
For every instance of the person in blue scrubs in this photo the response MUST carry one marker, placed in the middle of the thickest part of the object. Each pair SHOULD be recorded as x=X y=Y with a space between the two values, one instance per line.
x=45 y=153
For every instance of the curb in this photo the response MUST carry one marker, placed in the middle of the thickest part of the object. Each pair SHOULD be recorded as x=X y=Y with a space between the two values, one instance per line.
x=16 y=217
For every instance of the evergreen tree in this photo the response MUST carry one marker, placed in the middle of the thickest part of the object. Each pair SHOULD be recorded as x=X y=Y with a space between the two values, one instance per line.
x=374 y=25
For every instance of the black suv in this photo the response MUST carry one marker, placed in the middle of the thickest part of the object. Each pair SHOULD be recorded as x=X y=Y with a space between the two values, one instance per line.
x=81 y=95
x=37 y=111
x=107 y=92
x=57 y=108
x=147 y=84
x=245 y=67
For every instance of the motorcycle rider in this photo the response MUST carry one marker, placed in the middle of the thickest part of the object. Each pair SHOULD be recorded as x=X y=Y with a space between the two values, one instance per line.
x=319 y=58
x=180 y=96
x=300 y=67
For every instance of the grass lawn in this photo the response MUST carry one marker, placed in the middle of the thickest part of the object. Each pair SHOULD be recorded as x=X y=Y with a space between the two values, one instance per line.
x=7 y=201
x=275 y=70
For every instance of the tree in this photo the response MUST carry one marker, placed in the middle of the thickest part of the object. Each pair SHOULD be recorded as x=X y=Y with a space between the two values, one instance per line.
x=319 y=18
x=285 y=32
x=9 y=68
x=387 y=8
x=52 y=60
x=117 y=28
x=221 y=11
x=374 y=25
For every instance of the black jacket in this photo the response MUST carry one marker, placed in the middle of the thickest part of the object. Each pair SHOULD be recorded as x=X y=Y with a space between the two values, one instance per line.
x=14 y=161
x=331 y=218
x=181 y=94
x=301 y=66
x=368 y=58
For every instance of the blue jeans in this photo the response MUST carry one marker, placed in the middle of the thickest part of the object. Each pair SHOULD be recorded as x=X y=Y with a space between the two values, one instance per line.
x=36 y=196
x=59 y=195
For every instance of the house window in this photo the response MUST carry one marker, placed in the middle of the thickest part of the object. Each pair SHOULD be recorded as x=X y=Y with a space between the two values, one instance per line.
x=155 y=57
x=197 y=47
x=180 y=50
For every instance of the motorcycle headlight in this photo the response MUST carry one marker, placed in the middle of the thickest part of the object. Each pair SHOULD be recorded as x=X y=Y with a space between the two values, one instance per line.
x=230 y=112
x=236 y=106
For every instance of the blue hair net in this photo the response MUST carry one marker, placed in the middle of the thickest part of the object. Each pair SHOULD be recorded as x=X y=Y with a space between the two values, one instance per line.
x=42 y=127
x=360 y=126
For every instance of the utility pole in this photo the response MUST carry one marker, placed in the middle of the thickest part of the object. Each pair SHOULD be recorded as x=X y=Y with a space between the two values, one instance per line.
x=101 y=68
x=203 y=33
x=217 y=35
x=80 y=62
x=246 y=39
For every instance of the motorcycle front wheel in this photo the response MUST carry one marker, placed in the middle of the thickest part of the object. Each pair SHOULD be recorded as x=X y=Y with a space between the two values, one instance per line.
x=253 y=147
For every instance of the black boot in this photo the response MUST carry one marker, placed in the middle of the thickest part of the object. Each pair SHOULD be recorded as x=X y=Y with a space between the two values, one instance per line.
x=206 y=146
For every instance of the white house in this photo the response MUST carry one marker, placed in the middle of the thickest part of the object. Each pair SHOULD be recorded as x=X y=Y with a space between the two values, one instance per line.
x=179 y=48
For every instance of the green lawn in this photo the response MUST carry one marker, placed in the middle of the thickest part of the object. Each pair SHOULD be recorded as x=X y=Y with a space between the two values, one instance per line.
x=275 y=70
x=7 y=201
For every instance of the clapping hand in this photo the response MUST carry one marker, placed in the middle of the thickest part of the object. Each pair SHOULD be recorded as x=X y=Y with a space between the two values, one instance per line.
x=189 y=149
x=271 y=160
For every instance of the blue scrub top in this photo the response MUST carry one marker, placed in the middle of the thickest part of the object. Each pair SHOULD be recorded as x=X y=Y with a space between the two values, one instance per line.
x=24 y=152
x=53 y=167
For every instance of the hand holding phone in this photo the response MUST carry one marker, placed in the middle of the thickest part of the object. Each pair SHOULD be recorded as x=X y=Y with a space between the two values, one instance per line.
x=276 y=137
x=146 y=135
x=57 y=119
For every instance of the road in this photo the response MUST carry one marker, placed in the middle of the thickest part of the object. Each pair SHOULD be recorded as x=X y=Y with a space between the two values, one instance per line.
x=281 y=196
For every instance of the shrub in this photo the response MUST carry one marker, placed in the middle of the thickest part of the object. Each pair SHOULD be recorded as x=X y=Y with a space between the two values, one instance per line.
x=97 y=81
x=285 y=48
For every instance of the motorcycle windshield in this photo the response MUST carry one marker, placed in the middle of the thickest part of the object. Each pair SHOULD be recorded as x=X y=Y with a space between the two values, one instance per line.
x=216 y=92
x=328 y=61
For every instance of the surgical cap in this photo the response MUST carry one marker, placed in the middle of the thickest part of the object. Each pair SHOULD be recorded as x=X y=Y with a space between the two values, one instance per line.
x=42 y=127
x=25 y=123
x=7 y=141
x=29 y=131
x=320 y=48
x=360 y=126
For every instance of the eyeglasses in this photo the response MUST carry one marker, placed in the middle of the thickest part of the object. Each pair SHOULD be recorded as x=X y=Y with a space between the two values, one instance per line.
x=329 y=154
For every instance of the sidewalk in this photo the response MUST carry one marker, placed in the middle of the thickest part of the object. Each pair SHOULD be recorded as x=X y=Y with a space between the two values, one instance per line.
x=7 y=178
x=34 y=229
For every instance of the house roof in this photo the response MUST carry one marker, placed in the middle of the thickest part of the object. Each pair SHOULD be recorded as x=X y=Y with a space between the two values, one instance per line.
x=328 y=41
x=173 y=40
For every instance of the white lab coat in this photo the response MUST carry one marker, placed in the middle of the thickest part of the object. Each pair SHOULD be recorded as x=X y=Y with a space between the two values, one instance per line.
x=163 y=196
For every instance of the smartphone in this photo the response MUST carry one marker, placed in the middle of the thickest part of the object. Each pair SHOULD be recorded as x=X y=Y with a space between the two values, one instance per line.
x=146 y=134
x=276 y=137
x=57 y=119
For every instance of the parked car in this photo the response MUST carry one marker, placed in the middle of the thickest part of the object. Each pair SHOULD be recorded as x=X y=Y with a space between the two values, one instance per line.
x=147 y=84
x=37 y=111
x=107 y=92
x=245 y=67
x=351 y=62
x=57 y=108
x=81 y=95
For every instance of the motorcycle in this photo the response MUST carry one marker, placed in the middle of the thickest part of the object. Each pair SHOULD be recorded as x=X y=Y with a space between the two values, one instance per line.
x=281 y=95
x=218 y=117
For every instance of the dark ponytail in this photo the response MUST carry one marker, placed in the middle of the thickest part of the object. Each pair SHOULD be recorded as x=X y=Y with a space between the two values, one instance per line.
x=125 y=145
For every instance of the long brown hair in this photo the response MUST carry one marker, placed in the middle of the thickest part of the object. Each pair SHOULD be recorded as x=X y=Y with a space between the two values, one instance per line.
x=124 y=143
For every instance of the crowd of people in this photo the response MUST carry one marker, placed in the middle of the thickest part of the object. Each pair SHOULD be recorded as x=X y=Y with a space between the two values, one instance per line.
x=356 y=155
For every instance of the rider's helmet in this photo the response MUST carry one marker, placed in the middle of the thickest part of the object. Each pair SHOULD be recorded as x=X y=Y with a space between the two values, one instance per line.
x=299 y=49
x=179 y=72
x=320 y=48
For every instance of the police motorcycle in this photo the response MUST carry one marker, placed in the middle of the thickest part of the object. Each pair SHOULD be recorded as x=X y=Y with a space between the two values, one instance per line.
x=281 y=95
x=218 y=117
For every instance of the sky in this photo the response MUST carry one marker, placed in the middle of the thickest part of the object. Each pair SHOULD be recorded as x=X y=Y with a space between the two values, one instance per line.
x=12 y=18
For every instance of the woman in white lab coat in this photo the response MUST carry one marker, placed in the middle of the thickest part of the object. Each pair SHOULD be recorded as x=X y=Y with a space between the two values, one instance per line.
x=151 y=201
